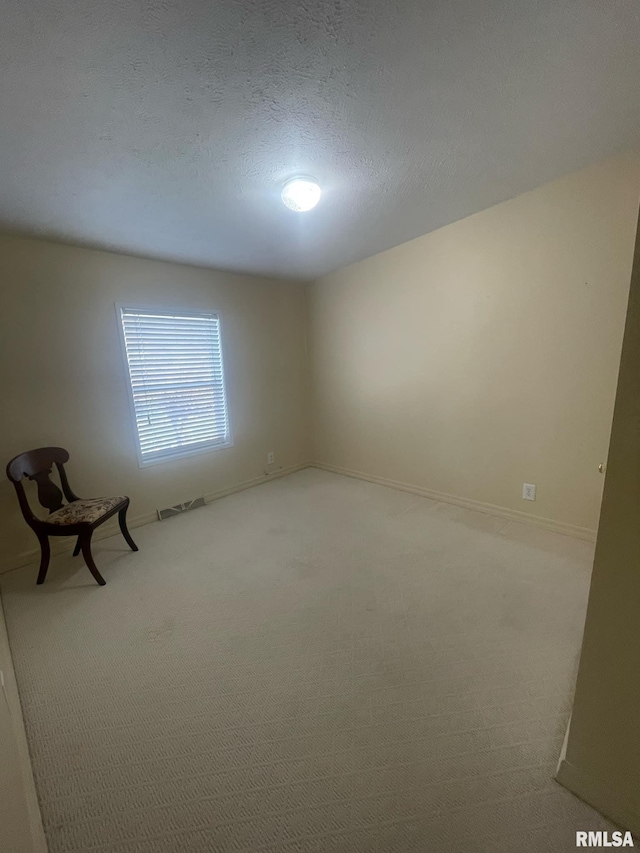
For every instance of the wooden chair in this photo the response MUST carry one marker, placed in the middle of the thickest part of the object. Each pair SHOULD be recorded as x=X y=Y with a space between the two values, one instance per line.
x=78 y=517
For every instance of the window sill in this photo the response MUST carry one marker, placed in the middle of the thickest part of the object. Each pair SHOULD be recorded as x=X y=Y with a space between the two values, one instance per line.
x=183 y=454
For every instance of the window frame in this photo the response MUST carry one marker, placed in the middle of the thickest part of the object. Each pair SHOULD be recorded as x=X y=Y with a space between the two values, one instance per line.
x=180 y=453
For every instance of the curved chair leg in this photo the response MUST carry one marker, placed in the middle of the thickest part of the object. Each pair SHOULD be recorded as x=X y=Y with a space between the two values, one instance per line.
x=44 y=559
x=88 y=558
x=76 y=550
x=122 y=518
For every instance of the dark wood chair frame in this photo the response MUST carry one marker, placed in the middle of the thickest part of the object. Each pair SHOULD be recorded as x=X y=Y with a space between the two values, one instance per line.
x=37 y=465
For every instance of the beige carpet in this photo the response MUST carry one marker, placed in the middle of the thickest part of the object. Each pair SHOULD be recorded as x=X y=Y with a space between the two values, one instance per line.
x=317 y=664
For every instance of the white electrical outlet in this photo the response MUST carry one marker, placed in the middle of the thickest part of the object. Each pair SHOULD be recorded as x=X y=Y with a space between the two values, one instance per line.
x=270 y=458
x=528 y=492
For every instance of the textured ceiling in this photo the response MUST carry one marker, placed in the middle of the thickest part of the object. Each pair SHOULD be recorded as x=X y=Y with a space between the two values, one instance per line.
x=166 y=129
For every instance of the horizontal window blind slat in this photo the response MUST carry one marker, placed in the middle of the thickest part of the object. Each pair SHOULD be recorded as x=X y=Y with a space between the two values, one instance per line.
x=151 y=406
x=172 y=386
x=173 y=438
x=163 y=428
x=160 y=404
x=169 y=360
x=189 y=369
x=174 y=452
x=167 y=440
x=156 y=345
x=131 y=325
x=165 y=353
x=146 y=417
x=167 y=319
x=174 y=414
x=144 y=390
x=158 y=422
x=182 y=377
x=147 y=334
x=160 y=349
x=185 y=378
x=187 y=337
x=205 y=327
x=214 y=379
x=177 y=443
x=160 y=333
x=177 y=381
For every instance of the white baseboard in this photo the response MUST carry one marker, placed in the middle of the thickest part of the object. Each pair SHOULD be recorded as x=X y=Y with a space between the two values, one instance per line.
x=480 y=506
x=256 y=481
x=36 y=843
x=600 y=794
x=563 y=751
x=65 y=545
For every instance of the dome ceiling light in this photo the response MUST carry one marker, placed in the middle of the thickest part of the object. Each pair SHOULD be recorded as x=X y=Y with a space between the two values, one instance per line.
x=301 y=194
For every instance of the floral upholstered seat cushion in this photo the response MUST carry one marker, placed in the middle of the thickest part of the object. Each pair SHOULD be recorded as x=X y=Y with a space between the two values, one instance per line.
x=84 y=511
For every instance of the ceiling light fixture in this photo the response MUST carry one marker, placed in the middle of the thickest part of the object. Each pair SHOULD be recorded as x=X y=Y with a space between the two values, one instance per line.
x=301 y=193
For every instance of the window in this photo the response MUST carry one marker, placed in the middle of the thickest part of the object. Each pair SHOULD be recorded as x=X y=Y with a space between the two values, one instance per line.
x=176 y=382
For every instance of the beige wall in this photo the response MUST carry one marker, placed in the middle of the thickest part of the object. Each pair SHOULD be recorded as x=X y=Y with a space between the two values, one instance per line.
x=485 y=354
x=602 y=762
x=63 y=380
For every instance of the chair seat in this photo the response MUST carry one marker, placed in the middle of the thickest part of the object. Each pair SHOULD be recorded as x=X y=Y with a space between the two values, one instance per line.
x=84 y=511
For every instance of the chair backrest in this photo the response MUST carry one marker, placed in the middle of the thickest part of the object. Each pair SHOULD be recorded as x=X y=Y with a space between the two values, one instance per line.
x=36 y=465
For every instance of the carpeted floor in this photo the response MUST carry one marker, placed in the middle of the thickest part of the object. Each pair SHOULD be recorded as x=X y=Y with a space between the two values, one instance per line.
x=318 y=664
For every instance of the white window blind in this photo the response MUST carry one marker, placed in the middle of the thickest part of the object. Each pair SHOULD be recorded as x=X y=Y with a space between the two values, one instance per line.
x=177 y=382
